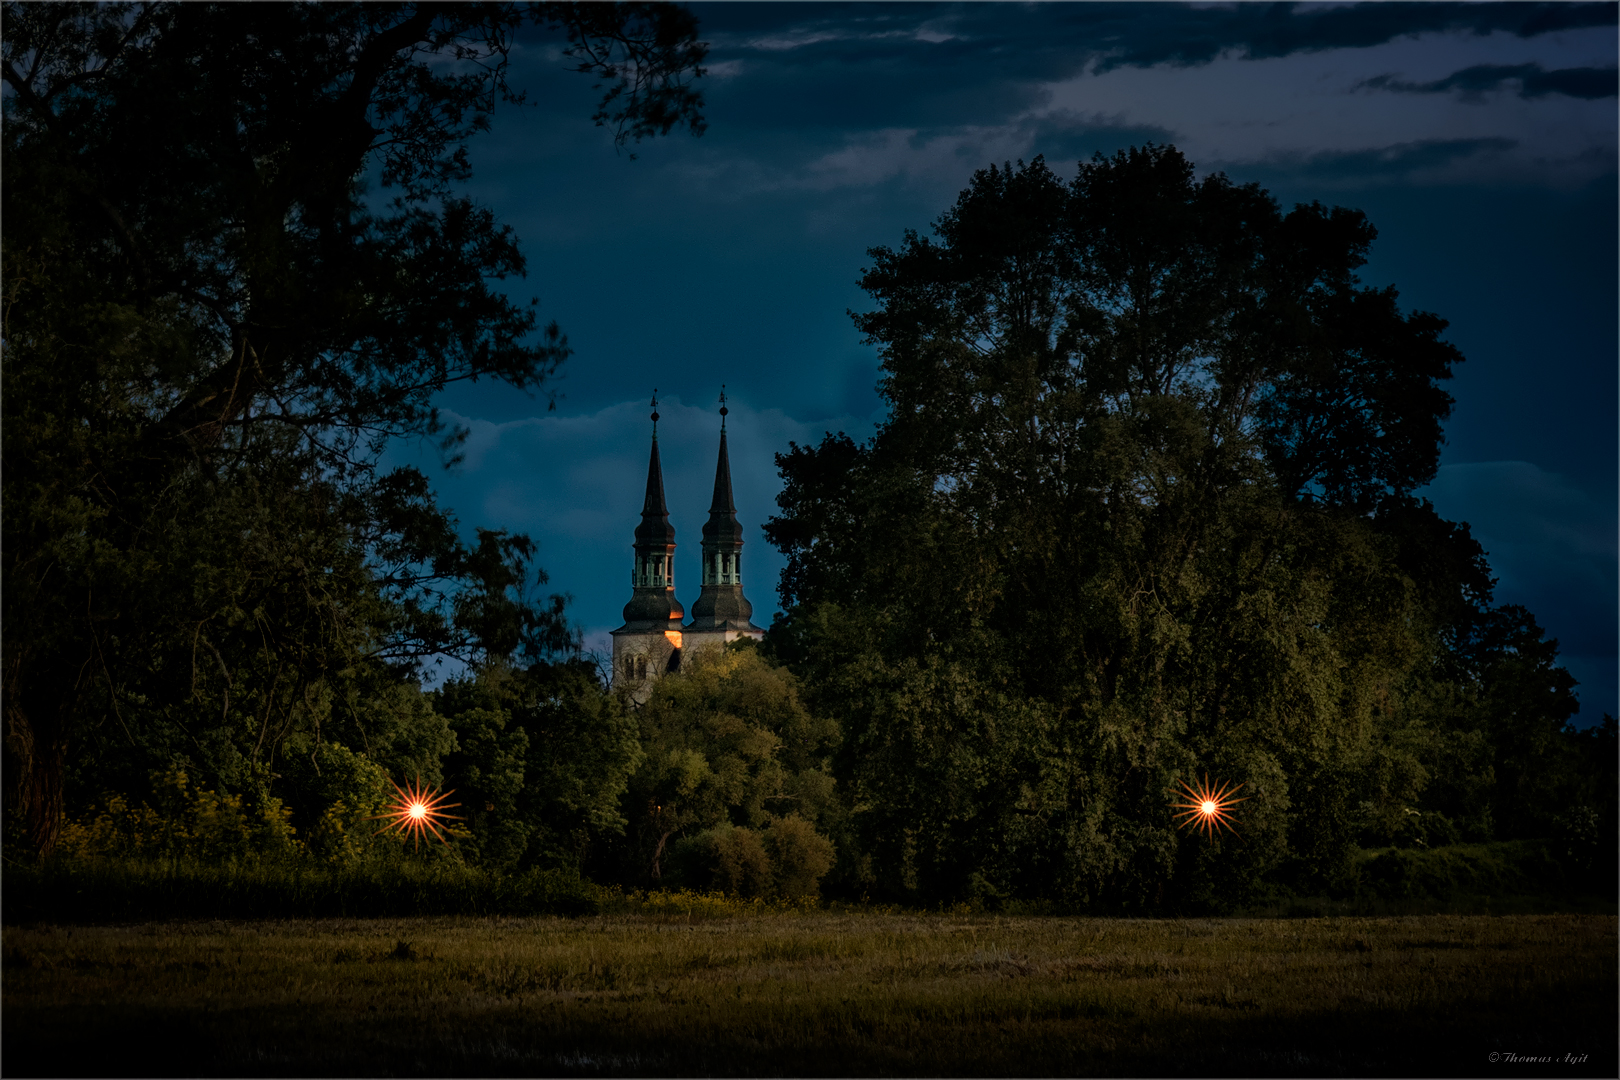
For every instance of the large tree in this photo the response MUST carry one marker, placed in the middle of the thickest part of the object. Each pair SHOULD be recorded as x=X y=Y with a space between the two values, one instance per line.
x=236 y=263
x=1142 y=507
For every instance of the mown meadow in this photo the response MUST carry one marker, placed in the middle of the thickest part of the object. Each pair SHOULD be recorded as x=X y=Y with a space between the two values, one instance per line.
x=694 y=985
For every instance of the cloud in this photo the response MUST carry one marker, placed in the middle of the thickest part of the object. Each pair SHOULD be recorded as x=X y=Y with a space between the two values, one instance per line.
x=1532 y=80
x=880 y=66
x=1054 y=41
x=1434 y=160
x=1064 y=135
x=948 y=155
x=1552 y=547
x=1263 y=31
x=837 y=98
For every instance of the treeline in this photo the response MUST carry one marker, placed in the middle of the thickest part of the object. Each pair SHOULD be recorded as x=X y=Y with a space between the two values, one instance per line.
x=721 y=783
x=1142 y=512
x=219 y=609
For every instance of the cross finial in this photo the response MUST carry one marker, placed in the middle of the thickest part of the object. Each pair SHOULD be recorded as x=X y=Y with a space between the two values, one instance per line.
x=723 y=409
x=655 y=412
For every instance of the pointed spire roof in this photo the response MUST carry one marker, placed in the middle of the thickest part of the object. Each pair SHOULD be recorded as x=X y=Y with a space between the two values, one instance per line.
x=655 y=529
x=722 y=525
x=722 y=608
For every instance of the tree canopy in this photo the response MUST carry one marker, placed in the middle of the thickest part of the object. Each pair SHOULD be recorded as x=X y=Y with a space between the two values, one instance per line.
x=1143 y=509
x=236 y=263
x=733 y=781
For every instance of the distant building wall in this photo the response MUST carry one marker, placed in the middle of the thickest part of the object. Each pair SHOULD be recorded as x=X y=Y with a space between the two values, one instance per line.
x=697 y=641
x=641 y=658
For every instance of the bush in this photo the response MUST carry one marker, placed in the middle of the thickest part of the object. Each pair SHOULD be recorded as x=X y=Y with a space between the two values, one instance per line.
x=1584 y=847
x=741 y=864
x=788 y=859
x=1508 y=868
x=354 y=789
x=189 y=821
x=800 y=856
x=724 y=859
x=1424 y=829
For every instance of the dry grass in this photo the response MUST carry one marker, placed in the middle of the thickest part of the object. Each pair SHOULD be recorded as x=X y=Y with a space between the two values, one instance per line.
x=813 y=994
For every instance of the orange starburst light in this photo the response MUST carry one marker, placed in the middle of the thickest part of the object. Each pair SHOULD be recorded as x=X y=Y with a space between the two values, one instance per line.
x=1208 y=808
x=418 y=810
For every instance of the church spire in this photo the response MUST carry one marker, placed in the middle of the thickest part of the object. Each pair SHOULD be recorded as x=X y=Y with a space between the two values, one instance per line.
x=655 y=527
x=722 y=523
x=652 y=605
x=721 y=609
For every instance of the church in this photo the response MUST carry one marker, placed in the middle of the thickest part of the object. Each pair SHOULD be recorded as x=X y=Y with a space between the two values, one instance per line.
x=653 y=639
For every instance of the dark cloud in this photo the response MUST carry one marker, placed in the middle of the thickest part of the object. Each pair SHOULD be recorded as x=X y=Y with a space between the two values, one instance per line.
x=1256 y=31
x=1533 y=81
x=871 y=66
x=1045 y=41
x=876 y=93
x=1397 y=161
x=1063 y=136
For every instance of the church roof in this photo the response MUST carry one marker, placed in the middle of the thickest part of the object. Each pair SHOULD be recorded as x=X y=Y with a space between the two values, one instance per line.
x=655 y=529
x=722 y=526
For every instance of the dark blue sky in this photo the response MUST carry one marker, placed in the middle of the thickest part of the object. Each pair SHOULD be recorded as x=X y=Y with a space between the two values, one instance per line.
x=1481 y=140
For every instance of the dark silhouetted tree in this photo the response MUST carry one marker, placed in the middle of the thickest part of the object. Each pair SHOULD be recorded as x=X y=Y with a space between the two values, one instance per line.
x=212 y=324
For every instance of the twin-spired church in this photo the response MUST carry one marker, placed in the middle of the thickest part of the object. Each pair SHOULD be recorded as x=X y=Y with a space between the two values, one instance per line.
x=652 y=639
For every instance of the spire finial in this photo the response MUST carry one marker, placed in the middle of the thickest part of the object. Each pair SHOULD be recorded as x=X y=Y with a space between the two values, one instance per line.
x=655 y=412
x=723 y=409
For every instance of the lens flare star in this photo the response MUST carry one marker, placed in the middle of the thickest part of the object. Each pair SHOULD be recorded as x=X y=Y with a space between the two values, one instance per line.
x=418 y=811
x=1208 y=808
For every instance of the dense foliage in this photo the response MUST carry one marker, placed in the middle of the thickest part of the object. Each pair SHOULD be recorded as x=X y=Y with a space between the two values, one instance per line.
x=1142 y=511
x=734 y=784
x=542 y=759
x=235 y=264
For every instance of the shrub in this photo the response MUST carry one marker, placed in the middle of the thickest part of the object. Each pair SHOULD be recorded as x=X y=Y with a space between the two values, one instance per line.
x=724 y=859
x=1503 y=868
x=354 y=790
x=742 y=865
x=800 y=855
x=788 y=859
x=188 y=822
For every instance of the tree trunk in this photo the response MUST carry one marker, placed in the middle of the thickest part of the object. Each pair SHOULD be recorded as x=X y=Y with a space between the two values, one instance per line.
x=36 y=749
x=658 y=853
x=45 y=803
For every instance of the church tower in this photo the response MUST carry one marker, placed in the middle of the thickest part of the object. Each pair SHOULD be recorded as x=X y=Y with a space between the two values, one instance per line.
x=722 y=613
x=649 y=642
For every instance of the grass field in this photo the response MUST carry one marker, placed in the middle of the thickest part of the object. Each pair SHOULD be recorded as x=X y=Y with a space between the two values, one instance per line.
x=815 y=993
